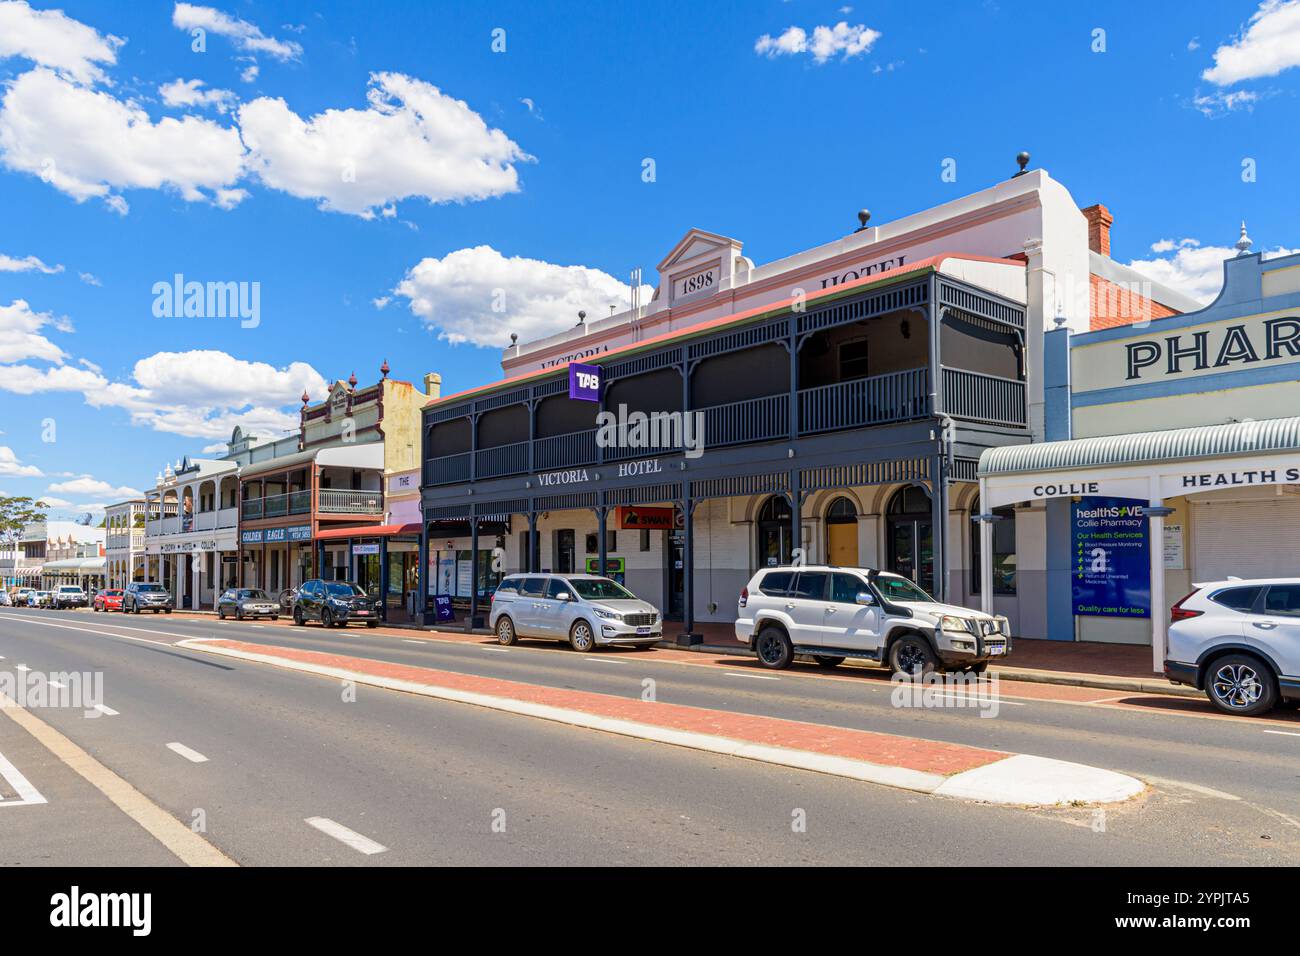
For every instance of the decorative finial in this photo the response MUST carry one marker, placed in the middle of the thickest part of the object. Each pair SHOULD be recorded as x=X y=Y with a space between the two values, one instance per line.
x=1244 y=242
x=305 y=398
x=514 y=338
x=384 y=369
x=582 y=318
x=864 y=216
x=352 y=380
x=1022 y=159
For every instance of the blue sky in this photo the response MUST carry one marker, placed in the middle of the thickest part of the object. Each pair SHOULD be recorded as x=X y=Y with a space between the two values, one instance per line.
x=464 y=158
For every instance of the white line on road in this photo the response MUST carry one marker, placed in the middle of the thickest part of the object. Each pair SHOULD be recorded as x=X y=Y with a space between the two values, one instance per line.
x=27 y=794
x=362 y=844
x=106 y=710
x=751 y=676
x=192 y=755
x=407 y=640
x=1282 y=733
x=496 y=650
x=1193 y=787
x=605 y=660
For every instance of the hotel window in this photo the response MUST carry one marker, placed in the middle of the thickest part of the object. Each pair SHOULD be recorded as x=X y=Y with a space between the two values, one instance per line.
x=1004 y=552
x=853 y=359
x=611 y=541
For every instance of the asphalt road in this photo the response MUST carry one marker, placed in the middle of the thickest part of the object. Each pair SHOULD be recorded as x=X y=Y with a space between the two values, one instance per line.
x=438 y=783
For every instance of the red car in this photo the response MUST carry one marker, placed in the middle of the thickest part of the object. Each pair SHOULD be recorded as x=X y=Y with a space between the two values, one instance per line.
x=110 y=600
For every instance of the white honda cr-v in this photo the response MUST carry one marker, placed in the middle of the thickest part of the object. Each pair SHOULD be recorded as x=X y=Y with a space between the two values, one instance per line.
x=1239 y=641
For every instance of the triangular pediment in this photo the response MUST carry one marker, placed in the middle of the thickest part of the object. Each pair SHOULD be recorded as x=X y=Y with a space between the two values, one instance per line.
x=695 y=244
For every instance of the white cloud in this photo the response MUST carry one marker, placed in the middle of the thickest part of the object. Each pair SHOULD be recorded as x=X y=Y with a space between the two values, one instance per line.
x=412 y=141
x=89 y=278
x=1221 y=102
x=190 y=93
x=479 y=296
x=56 y=502
x=1269 y=45
x=826 y=42
x=11 y=467
x=249 y=73
x=26 y=264
x=20 y=337
x=244 y=35
x=51 y=38
x=87 y=144
x=88 y=485
x=1193 y=269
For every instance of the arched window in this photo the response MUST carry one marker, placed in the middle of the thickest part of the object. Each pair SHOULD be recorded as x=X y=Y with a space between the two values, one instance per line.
x=774 y=540
x=1004 y=551
x=911 y=535
x=842 y=533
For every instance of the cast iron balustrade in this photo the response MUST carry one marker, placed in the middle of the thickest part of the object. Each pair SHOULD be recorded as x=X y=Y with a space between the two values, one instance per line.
x=502 y=460
x=447 y=471
x=754 y=419
x=876 y=400
x=561 y=451
x=983 y=398
x=346 y=501
x=251 y=508
x=276 y=506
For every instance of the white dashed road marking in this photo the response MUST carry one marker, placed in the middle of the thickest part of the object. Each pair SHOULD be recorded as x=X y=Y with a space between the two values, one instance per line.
x=362 y=844
x=192 y=755
x=27 y=794
x=750 y=676
x=1282 y=733
x=106 y=710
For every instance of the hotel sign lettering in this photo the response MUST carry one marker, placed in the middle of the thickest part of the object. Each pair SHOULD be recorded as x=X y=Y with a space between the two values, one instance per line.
x=861 y=272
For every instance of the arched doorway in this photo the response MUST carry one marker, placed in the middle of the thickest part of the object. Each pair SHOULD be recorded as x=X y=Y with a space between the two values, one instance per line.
x=842 y=533
x=774 y=542
x=911 y=536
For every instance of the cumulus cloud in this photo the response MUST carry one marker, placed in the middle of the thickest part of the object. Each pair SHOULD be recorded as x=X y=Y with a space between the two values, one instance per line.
x=89 y=144
x=11 y=467
x=479 y=296
x=1191 y=268
x=20 y=334
x=88 y=485
x=191 y=93
x=53 y=39
x=244 y=35
x=1268 y=45
x=26 y=264
x=826 y=42
x=412 y=141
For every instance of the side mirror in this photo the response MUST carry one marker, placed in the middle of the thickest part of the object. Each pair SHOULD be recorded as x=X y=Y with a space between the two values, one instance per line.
x=564 y=596
x=866 y=599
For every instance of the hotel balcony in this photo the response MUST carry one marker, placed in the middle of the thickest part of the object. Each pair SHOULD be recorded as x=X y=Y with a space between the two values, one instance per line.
x=330 y=501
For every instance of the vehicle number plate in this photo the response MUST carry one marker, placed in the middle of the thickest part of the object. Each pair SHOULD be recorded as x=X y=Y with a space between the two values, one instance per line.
x=995 y=649
x=643 y=630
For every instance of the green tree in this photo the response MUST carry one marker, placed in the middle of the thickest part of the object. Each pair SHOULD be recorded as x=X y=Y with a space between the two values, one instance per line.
x=16 y=514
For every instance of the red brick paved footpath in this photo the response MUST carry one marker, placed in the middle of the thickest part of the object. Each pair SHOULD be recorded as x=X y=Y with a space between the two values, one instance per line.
x=888 y=750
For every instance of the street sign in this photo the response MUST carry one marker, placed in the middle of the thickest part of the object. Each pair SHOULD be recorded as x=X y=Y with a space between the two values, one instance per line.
x=584 y=382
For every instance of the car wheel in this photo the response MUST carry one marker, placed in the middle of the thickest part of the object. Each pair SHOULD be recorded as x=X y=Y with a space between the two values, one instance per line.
x=239 y=614
x=326 y=618
x=275 y=617
x=828 y=662
x=506 y=632
x=297 y=617
x=581 y=639
x=911 y=655
x=1241 y=684
x=372 y=623
x=774 y=648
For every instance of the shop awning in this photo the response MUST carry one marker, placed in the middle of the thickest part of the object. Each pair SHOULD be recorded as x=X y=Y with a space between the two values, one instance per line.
x=369 y=531
x=1274 y=435
x=83 y=565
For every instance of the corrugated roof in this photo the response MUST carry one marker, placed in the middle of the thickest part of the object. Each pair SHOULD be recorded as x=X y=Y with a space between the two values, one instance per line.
x=1203 y=441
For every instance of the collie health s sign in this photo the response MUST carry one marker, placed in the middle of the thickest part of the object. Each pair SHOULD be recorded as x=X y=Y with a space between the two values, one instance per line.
x=1111 y=553
x=584 y=382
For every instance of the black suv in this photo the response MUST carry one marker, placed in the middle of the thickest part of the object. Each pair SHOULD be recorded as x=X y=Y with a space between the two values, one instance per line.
x=334 y=604
x=143 y=596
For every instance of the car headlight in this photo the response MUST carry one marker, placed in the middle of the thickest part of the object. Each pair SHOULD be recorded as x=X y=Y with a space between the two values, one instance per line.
x=608 y=615
x=959 y=624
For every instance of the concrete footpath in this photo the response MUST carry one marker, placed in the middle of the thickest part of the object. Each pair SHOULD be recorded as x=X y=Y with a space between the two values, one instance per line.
x=925 y=766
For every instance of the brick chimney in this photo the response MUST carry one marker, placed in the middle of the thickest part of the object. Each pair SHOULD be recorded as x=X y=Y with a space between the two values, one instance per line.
x=1099 y=222
x=433 y=385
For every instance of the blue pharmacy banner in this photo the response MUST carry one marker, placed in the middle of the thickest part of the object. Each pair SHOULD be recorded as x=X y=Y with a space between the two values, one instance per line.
x=1112 y=557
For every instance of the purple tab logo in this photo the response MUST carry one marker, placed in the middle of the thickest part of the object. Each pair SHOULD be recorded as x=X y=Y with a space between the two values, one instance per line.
x=584 y=382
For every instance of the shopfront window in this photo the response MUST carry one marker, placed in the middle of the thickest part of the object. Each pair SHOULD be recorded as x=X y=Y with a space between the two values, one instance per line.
x=1004 y=552
x=774 y=543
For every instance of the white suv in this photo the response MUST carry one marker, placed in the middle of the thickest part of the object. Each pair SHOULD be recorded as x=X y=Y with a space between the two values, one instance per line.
x=832 y=613
x=1239 y=641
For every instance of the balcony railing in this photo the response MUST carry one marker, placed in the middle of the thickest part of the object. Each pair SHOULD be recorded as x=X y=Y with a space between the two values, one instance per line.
x=876 y=400
x=755 y=419
x=447 y=471
x=348 y=502
x=983 y=398
x=502 y=460
x=560 y=451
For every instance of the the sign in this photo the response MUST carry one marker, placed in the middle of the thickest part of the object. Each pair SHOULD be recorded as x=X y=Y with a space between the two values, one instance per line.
x=697 y=282
x=299 y=532
x=573 y=476
x=612 y=565
x=645 y=519
x=365 y=549
x=1111 y=572
x=442 y=605
x=584 y=382
x=250 y=537
x=404 y=481
x=275 y=535
x=1173 y=545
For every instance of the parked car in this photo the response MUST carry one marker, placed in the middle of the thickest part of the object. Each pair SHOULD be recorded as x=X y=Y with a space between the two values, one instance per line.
x=334 y=604
x=5 y=599
x=40 y=599
x=585 y=610
x=68 y=595
x=110 y=599
x=145 y=596
x=834 y=613
x=242 y=603
x=21 y=596
x=1239 y=641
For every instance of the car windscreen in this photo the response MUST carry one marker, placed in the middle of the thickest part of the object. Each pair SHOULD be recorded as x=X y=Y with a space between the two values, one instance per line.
x=901 y=589
x=149 y=588
x=342 y=589
x=601 y=589
x=252 y=594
